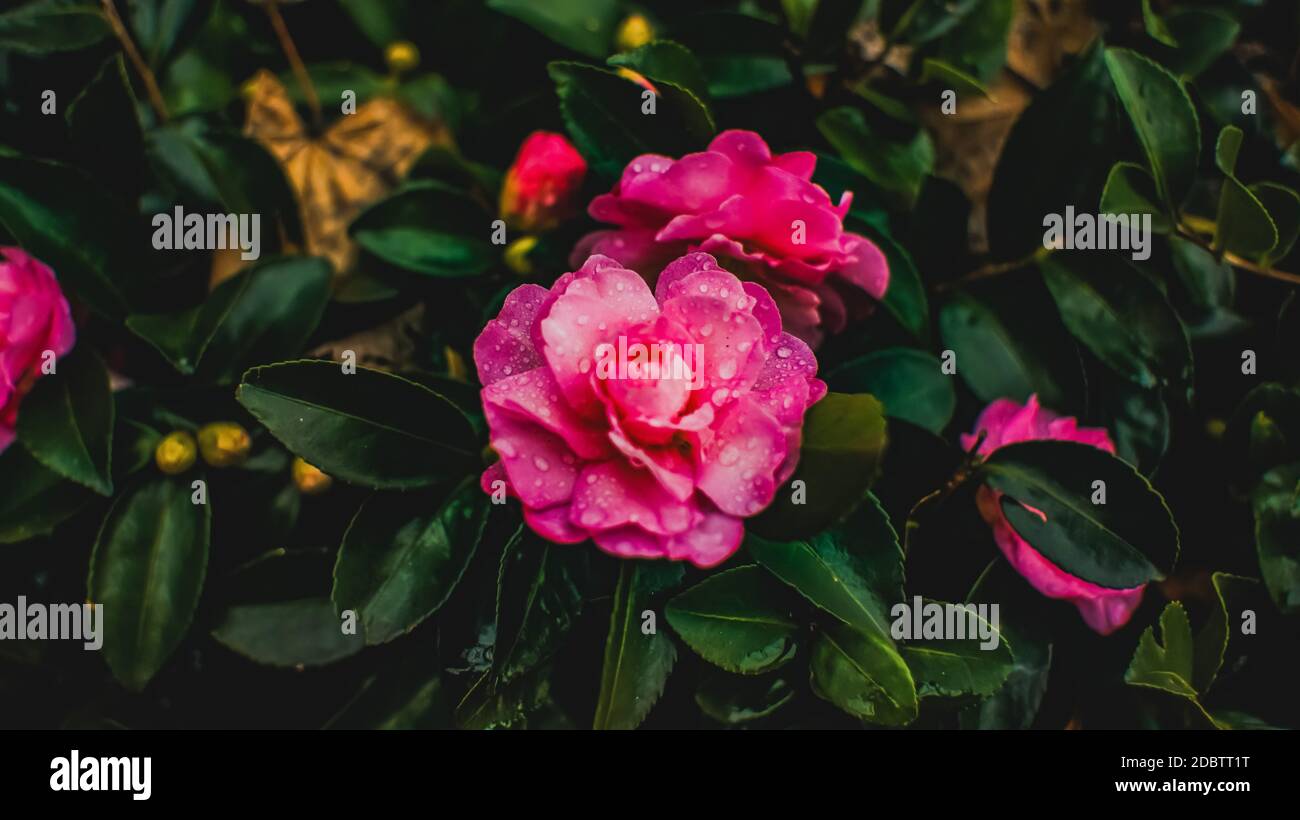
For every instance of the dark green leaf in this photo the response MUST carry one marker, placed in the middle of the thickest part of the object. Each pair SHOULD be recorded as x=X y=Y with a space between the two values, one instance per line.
x=368 y=427
x=955 y=667
x=586 y=26
x=34 y=500
x=666 y=60
x=539 y=598
x=737 y=699
x=1121 y=316
x=46 y=26
x=636 y=664
x=732 y=621
x=1164 y=118
x=147 y=571
x=909 y=382
x=1131 y=190
x=1168 y=667
x=305 y=632
x=603 y=114
x=67 y=421
x=429 y=228
x=1283 y=206
x=863 y=674
x=854 y=571
x=1156 y=27
x=843 y=444
x=403 y=555
x=897 y=166
x=1127 y=541
x=1276 y=503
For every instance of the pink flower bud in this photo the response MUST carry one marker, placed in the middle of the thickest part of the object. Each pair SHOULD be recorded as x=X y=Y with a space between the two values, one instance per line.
x=541 y=185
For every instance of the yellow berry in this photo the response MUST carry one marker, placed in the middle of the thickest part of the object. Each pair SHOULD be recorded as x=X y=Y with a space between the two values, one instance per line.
x=175 y=453
x=224 y=444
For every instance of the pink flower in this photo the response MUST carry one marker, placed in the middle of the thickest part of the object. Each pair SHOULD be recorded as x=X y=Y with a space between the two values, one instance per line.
x=34 y=318
x=760 y=213
x=650 y=463
x=539 y=189
x=1006 y=422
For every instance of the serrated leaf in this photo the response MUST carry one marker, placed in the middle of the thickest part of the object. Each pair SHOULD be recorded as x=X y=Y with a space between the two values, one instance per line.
x=732 y=621
x=539 y=598
x=304 y=632
x=636 y=664
x=863 y=674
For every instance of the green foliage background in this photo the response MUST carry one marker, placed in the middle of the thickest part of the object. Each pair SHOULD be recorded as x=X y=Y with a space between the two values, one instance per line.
x=226 y=615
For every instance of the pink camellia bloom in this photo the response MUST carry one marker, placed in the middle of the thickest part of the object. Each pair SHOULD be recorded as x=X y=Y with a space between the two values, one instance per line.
x=1007 y=422
x=760 y=214
x=539 y=188
x=34 y=318
x=649 y=422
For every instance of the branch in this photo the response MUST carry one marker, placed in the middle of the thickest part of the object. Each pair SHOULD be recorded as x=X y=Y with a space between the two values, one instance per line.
x=141 y=68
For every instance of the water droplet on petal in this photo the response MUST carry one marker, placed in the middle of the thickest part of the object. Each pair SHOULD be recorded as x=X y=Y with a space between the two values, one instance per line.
x=783 y=352
x=541 y=463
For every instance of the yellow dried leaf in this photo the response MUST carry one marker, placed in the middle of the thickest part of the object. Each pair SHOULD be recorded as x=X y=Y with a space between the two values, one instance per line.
x=355 y=161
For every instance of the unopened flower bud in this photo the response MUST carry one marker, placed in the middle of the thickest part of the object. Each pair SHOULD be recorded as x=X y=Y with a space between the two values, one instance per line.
x=634 y=32
x=516 y=255
x=308 y=479
x=541 y=186
x=401 y=56
x=224 y=444
x=176 y=453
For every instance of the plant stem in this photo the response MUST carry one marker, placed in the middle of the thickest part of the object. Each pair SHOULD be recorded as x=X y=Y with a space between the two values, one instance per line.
x=1237 y=261
x=295 y=61
x=132 y=53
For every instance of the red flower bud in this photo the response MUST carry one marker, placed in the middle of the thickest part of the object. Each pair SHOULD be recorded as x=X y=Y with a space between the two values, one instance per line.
x=541 y=185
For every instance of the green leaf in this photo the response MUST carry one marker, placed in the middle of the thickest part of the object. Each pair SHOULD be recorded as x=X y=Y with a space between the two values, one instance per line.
x=402 y=556
x=734 y=700
x=1210 y=282
x=1156 y=27
x=1075 y=117
x=501 y=705
x=1127 y=541
x=164 y=27
x=636 y=664
x=1015 y=705
x=905 y=299
x=223 y=168
x=843 y=445
x=1231 y=592
x=994 y=361
x=741 y=54
x=603 y=114
x=183 y=337
x=1130 y=190
x=1121 y=316
x=1283 y=206
x=897 y=166
x=271 y=318
x=381 y=23
x=47 y=26
x=304 y=632
x=369 y=427
x=70 y=223
x=147 y=571
x=953 y=667
x=1139 y=422
x=33 y=499
x=732 y=621
x=854 y=570
x=909 y=382
x=937 y=71
x=1263 y=432
x=1276 y=503
x=407 y=695
x=666 y=60
x=105 y=130
x=919 y=21
x=1243 y=225
x=1202 y=34
x=979 y=45
x=863 y=674
x=67 y=421
x=1163 y=117
x=539 y=598
x=428 y=227
x=1168 y=667
x=586 y=26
